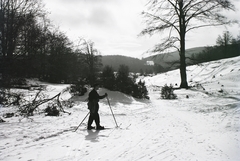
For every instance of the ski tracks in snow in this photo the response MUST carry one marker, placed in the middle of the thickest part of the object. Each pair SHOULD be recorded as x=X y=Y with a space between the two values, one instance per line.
x=155 y=130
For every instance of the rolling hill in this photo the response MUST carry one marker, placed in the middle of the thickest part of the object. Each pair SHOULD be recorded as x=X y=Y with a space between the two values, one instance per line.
x=162 y=61
x=166 y=59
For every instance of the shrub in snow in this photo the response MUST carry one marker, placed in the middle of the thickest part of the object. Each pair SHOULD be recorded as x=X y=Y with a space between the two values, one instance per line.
x=78 y=89
x=52 y=110
x=167 y=92
x=140 y=90
x=127 y=85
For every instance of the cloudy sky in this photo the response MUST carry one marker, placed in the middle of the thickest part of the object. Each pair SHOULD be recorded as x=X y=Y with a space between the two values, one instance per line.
x=114 y=25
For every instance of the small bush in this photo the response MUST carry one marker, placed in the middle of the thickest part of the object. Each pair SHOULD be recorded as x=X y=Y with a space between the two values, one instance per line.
x=78 y=89
x=52 y=110
x=140 y=90
x=167 y=92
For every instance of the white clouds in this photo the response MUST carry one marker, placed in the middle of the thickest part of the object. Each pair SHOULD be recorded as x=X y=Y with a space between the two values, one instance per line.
x=114 y=25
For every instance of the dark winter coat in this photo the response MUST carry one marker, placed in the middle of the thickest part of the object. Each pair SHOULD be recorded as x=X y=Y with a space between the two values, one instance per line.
x=93 y=99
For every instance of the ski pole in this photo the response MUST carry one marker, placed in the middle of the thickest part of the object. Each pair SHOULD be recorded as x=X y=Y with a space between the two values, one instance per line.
x=82 y=121
x=112 y=111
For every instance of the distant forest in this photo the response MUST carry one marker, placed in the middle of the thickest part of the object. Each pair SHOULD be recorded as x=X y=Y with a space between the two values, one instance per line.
x=135 y=65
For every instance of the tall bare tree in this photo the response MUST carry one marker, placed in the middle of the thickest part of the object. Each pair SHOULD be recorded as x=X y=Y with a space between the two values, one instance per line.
x=179 y=17
x=92 y=58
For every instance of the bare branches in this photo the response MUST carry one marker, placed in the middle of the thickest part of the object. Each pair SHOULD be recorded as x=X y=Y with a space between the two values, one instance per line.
x=92 y=58
x=208 y=12
x=166 y=44
x=165 y=15
x=28 y=109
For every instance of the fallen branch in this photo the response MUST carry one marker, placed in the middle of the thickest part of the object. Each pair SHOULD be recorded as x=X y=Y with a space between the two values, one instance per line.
x=28 y=109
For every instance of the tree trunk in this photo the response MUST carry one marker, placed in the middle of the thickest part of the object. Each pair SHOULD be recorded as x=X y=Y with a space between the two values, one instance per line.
x=183 y=73
x=182 y=33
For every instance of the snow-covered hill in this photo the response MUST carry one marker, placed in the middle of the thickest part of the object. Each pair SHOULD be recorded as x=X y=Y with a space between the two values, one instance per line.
x=203 y=127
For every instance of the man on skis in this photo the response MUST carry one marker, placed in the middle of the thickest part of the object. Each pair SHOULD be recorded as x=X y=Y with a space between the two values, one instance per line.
x=93 y=106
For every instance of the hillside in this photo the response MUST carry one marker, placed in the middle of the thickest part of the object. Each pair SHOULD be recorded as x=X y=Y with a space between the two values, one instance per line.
x=166 y=59
x=135 y=65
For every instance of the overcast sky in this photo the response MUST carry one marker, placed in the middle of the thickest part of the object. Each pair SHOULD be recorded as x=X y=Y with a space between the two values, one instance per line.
x=114 y=25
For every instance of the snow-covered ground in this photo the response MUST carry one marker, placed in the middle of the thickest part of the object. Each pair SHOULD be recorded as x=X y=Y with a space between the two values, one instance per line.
x=203 y=127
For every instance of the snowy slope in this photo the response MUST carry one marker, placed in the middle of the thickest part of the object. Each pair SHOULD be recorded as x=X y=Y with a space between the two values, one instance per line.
x=203 y=127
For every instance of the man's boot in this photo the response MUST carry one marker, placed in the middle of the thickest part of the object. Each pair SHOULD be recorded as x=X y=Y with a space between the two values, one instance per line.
x=100 y=127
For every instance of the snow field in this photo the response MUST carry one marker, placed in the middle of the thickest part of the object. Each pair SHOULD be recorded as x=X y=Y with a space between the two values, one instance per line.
x=203 y=127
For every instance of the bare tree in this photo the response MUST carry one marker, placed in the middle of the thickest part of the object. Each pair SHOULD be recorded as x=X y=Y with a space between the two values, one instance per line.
x=92 y=58
x=225 y=39
x=179 y=17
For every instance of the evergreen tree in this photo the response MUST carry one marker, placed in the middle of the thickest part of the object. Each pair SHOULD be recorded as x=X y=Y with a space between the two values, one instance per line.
x=128 y=85
x=108 y=78
x=140 y=90
x=123 y=81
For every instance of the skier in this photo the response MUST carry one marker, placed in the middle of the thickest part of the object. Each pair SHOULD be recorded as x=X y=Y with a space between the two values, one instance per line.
x=93 y=106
